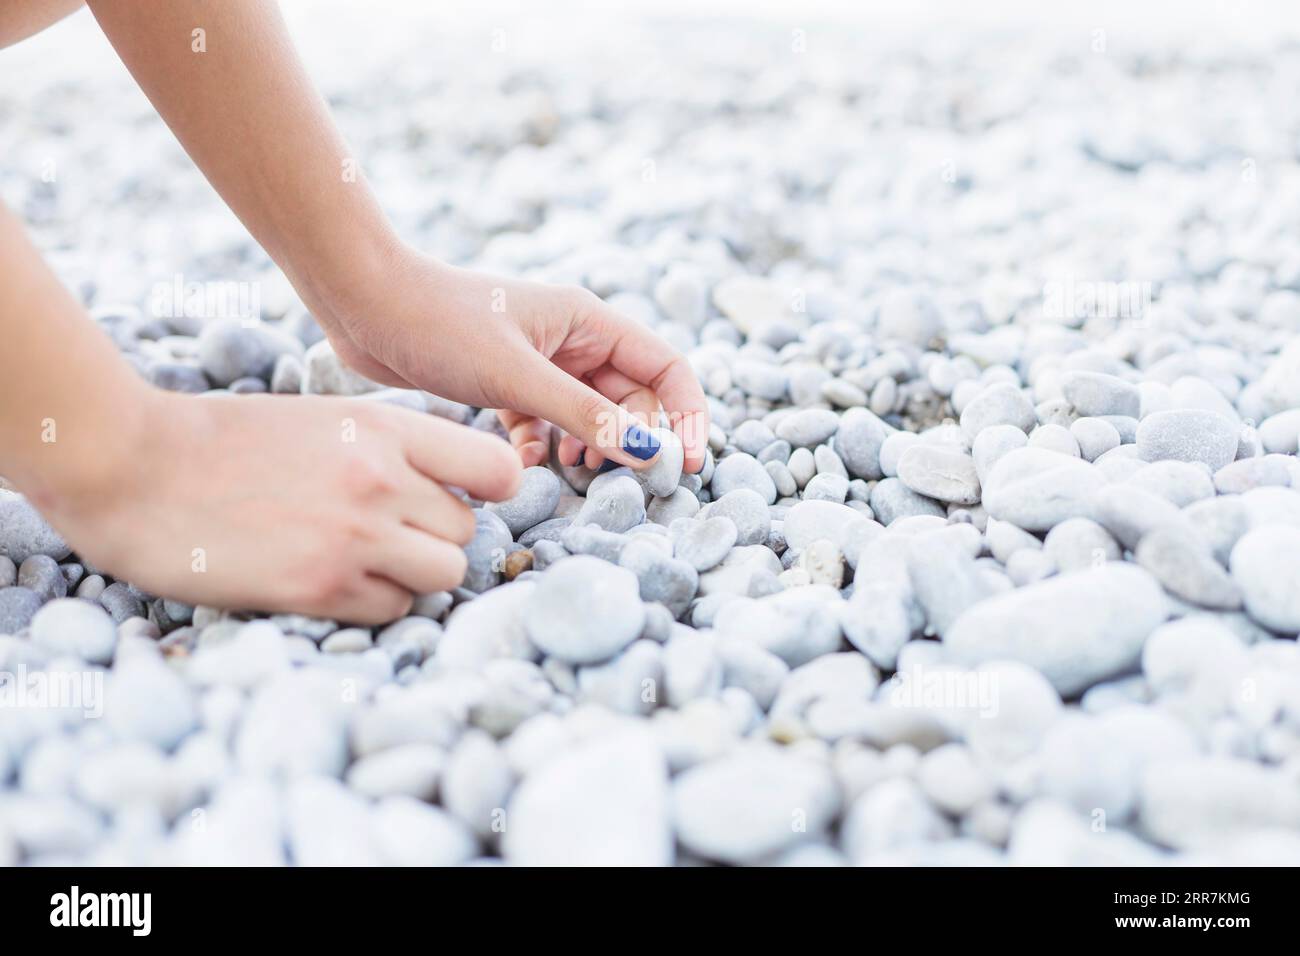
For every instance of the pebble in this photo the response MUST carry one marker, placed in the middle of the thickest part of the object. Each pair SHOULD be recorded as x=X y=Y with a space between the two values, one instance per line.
x=614 y=506
x=663 y=474
x=747 y=511
x=1063 y=628
x=146 y=700
x=811 y=521
x=408 y=832
x=704 y=544
x=858 y=441
x=1079 y=543
x=827 y=487
x=1181 y=560
x=1096 y=393
x=539 y=493
x=809 y=427
x=669 y=581
x=604 y=802
x=231 y=349
x=752 y=804
x=1094 y=436
x=940 y=473
x=17 y=607
x=1036 y=489
x=23 y=532
x=1188 y=434
x=75 y=627
x=325 y=374
x=740 y=470
x=485 y=554
x=121 y=602
x=41 y=574
x=584 y=610
x=654 y=667
x=999 y=404
x=1265 y=565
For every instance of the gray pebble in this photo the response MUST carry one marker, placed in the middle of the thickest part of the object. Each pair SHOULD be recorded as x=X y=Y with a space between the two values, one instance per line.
x=999 y=404
x=1080 y=543
x=1094 y=436
x=739 y=470
x=808 y=427
x=827 y=487
x=121 y=602
x=663 y=474
x=41 y=574
x=682 y=503
x=486 y=552
x=615 y=505
x=23 y=532
x=1265 y=564
x=1076 y=630
x=938 y=472
x=703 y=543
x=1188 y=434
x=17 y=606
x=230 y=349
x=828 y=462
x=584 y=610
x=752 y=436
x=892 y=500
x=669 y=581
x=538 y=494
x=73 y=626
x=802 y=466
x=1095 y=393
x=747 y=511
x=178 y=377
x=1036 y=489
x=858 y=441
x=549 y=530
x=1182 y=561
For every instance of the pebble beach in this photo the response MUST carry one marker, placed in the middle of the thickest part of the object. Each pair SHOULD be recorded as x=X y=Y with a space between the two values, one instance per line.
x=995 y=557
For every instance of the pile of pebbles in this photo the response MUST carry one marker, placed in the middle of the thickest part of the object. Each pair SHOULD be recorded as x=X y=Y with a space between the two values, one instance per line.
x=988 y=564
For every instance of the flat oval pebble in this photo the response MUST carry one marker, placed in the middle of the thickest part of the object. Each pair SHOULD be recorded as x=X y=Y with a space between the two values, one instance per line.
x=533 y=503
x=1188 y=434
x=584 y=610
x=1076 y=630
x=940 y=473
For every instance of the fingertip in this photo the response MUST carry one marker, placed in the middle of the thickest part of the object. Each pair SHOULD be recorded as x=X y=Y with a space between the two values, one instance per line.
x=533 y=453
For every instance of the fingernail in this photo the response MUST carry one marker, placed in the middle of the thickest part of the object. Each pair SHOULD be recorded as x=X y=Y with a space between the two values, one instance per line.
x=609 y=464
x=639 y=443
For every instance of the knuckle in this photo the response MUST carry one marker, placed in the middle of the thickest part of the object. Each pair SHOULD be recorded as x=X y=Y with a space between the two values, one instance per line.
x=325 y=588
x=580 y=299
x=591 y=408
x=365 y=478
x=461 y=525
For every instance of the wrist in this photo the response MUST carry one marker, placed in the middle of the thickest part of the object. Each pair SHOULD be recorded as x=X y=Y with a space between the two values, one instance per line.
x=100 y=450
x=345 y=295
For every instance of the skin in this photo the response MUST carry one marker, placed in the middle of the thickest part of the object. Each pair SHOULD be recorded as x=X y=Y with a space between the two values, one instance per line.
x=327 y=506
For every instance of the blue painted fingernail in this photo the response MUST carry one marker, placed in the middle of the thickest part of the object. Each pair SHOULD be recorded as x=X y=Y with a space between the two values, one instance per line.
x=639 y=443
x=609 y=464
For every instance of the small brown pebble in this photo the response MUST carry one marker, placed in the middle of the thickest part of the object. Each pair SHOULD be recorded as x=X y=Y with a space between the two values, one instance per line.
x=517 y=562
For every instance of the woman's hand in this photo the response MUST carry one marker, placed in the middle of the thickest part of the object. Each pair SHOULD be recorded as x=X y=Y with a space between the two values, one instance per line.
x=535 y=352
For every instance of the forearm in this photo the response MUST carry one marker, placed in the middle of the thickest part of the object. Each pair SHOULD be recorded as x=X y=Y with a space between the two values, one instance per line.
x=71 y=404
x=247 y=113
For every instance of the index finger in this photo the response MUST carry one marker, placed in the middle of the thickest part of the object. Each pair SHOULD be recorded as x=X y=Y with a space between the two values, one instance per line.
x=646 y=358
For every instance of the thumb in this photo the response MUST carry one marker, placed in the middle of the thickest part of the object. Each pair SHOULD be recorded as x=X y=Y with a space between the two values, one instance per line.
x=588 y=415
